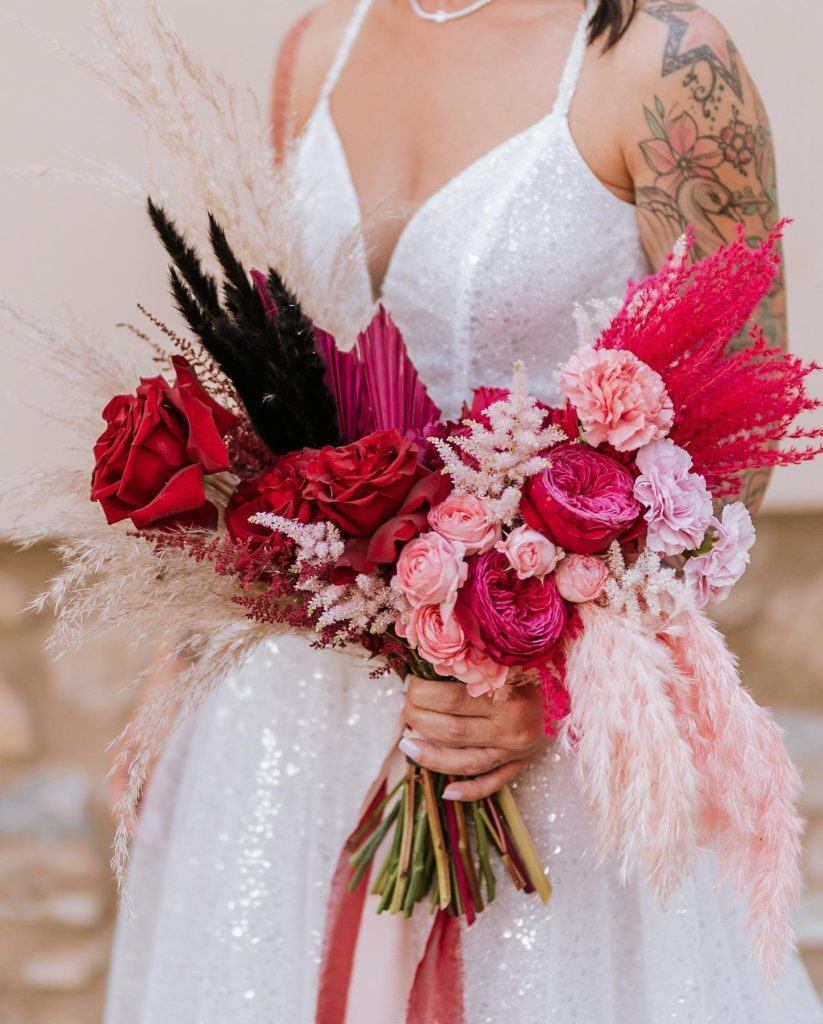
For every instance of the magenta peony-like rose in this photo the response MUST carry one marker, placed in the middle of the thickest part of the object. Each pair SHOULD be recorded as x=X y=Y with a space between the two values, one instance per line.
x=583 y=501
x=516 y=622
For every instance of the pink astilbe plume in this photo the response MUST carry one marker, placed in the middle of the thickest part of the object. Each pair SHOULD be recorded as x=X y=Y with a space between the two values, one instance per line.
x=748 y=784
x=731 y=408
x=635 y=767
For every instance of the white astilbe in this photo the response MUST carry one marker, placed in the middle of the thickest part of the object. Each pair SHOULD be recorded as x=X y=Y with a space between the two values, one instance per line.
x=506 y=453
x=592 y=318
x=643 y=589
x=366 y=605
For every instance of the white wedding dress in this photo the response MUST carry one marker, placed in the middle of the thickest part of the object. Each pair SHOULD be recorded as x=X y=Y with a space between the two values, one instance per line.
x=250 y=803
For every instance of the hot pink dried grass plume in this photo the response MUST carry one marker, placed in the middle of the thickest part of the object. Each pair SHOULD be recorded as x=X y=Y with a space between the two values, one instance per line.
x=730 y=407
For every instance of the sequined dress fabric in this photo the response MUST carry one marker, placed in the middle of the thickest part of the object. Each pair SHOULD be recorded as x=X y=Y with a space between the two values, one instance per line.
x=251 y=801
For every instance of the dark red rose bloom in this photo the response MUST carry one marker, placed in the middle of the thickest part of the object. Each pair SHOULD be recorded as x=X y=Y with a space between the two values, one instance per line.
x=279 y=490
x=158 y=445
x=362 y=485
x=583 y=501
x=517 y=622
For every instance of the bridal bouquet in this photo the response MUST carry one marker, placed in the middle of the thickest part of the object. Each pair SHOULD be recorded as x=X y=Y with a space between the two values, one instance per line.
x=524 y=545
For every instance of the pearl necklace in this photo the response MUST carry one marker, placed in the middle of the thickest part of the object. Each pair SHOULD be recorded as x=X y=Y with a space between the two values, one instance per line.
x=441 y=17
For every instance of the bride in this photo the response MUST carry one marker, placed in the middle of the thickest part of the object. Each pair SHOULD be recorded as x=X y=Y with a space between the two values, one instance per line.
x=501 y=160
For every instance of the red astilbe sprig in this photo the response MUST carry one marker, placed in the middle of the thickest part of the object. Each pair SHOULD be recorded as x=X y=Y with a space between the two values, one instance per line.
x=731 y=408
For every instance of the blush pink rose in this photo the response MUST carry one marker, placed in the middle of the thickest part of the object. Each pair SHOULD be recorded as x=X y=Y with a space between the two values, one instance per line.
x=464 y=519
x=442 y=642
x=581 y=578
x=529 y=552
x=678 y=503
x=430 y=570
x=619 y=399
x=713 y=575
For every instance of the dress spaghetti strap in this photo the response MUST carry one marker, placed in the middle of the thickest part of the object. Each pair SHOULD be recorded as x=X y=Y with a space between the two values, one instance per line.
x=346 y=44
x=574 y=64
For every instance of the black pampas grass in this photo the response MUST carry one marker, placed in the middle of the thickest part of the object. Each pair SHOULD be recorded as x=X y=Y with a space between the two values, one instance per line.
x=269 y=357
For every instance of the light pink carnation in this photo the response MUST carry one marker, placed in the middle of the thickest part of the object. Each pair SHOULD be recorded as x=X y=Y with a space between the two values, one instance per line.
x=581 y=578
x=529 y=552
x=430 y=570
x=464 y=519
x=442 y=642
x=713 y=575
x=618 y=398
x=678 y=503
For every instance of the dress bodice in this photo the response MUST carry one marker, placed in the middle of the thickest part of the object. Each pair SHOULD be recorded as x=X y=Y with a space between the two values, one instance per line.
x=489 y=269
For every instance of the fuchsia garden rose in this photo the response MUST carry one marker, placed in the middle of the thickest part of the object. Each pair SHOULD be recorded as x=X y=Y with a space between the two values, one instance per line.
x=516 y=622
x=529 y=552
x=464 y=519
x=581 y=578
x=583 y=501
x=619 y=399
x=429 y=571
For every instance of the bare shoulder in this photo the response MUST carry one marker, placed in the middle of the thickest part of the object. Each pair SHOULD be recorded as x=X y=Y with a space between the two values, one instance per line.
x=306 y=54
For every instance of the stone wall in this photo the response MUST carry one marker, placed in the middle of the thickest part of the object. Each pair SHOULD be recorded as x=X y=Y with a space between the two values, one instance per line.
x=56 y=892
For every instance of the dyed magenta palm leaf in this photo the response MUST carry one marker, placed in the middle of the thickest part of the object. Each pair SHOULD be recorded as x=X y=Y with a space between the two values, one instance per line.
x=731 y=408
x=397 y=396
x=346 y=382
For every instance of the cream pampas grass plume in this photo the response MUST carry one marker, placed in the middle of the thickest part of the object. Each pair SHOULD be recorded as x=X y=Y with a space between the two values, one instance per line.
x=634 y=765
x=748 y=784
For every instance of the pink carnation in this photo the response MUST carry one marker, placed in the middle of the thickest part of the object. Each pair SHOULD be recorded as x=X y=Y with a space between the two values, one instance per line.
x=464 y=519
x=581 y=578
x=713 y=575
x=442 y=642
x=529 y=552
x=618 y=398
x=678 y=503
x=430 y=570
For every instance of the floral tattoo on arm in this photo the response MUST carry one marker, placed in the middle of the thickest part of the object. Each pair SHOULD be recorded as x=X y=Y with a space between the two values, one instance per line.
x=707 y=161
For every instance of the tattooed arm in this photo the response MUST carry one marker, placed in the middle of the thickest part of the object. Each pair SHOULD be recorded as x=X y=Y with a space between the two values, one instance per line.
x=700 y=153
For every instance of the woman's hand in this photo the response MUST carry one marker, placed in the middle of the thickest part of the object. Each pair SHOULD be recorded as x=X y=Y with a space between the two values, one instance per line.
x=491 y=740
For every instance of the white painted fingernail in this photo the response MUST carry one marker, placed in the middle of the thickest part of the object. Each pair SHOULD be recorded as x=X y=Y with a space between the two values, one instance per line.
x=409 y=747
x=452 y=793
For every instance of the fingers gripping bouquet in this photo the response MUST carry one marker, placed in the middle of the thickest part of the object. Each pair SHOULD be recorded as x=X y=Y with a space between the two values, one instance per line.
x=524 y=545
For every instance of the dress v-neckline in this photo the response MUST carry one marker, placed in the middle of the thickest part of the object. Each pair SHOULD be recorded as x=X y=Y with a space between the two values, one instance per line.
x=376 y=295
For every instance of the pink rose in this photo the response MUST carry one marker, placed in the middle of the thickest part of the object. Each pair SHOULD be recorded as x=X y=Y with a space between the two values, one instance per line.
x=464 y=519
x=516 y=622
x=581 y=578
x=430 y=570
x=529 y=552
x=583 y=501
x=619 y=399
x=679 y=506
x=442 y=642
x=713 y=575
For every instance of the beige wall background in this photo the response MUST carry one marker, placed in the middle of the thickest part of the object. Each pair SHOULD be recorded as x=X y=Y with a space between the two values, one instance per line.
x=62 y=244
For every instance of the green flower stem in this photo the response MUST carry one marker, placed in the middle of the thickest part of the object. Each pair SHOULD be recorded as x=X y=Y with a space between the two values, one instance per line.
x=406 y=842
x=525 y=844
x=436 y=828
x=359 y=835
x=420 y=850
x=483 y=850
x=364 y=856
x=465 y=851
x=388 y=873
x=491 y=829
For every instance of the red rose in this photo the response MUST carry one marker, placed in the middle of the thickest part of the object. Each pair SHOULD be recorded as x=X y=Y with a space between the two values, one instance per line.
x=159 y=443
x=516 y=622
x=583 y=501
x=279 y=490
x=362 y=485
